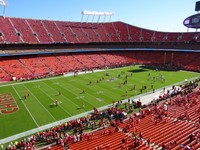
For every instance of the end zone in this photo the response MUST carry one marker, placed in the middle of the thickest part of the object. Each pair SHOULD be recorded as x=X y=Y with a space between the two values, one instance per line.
x=8 y=104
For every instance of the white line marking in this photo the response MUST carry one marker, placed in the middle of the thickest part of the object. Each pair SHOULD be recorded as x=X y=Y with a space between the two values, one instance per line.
x=75 y=94
x=25 y=106
x=40 y=102
x=53 y=100
x=66 y=97
x=48 y=78
x=80 y=90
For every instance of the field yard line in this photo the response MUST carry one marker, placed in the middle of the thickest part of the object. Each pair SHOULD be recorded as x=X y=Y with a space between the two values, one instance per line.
x=53 y=100
x=66 y=97
x=25 y=106
x=74 y=94
x=40 y=102
x=78 y=95
x=63 y=95
x=110 y=87
x=94 y=96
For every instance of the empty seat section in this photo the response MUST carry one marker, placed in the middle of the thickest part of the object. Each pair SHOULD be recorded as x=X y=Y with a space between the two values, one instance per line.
x=78 y=31
x=54 y=64
x=173 y=37
x=67 y=32
x=71 y=62
x=122 y=30
x=35 y=66
x=142 y=57
x=8 y=32
x=86 y=60
x=102 y=32
x=14 y=68
x=147 y=35
x=160 y=36
x=23 y=29
x=101 y=61
x=4 y=75
x=91 y=31
x=156 y=58
x=54 y=31
x=39 y=31
x=112 y=33
x=135 y=33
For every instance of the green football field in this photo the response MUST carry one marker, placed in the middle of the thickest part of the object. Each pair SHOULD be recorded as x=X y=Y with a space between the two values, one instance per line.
x=100 y=89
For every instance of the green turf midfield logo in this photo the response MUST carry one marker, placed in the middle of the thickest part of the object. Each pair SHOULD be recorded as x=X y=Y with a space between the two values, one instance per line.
x=8 y=104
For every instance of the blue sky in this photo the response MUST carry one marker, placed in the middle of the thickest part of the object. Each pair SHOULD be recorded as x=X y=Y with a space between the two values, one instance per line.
x=162 y=15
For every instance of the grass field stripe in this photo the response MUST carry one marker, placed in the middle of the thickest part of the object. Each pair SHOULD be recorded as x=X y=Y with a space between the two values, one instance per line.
x=104 y=89
x=88 y=93
x=62 y=94
x=40 y=103
x=26 y=107
x=104 y=82
x=80 y=90
x=107 y=85
x=65 y=96
x=53 y=101
x=73 y=94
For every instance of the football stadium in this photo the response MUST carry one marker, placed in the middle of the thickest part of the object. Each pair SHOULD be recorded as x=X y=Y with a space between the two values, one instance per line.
x=105 y=85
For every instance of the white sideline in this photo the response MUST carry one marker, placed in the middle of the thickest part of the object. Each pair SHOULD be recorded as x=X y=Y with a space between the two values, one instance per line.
x=50 y=78
x=26 y=107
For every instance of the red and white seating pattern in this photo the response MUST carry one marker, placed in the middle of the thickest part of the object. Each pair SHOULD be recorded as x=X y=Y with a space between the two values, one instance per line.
x=18 y=30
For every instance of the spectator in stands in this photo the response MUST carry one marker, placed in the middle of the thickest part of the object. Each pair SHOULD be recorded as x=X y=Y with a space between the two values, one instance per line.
x=148 y=141
x=164 y=147
x=140 y=135
x=191 y=137
x=123 y=140
x=107 y=146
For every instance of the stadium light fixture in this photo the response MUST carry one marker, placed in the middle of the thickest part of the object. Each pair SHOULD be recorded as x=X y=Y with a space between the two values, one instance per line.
x=94 y=14
x=4 y=3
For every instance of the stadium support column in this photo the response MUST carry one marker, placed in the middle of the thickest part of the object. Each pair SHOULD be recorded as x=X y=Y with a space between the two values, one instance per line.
x=82 y=18
x=93 y=18
x=4 y=4
x=110 y=18
x=172 y=58
x=98 y=19
x=4 y=11
x=104 y=18
x=87 y=18
x=164 y=58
